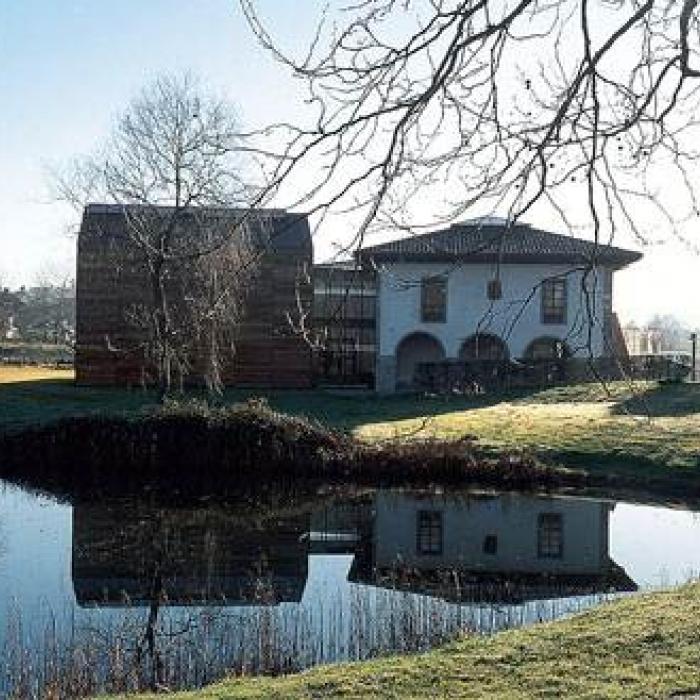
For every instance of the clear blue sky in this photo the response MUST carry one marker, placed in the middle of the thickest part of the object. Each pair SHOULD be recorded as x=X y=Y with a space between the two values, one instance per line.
x=67 y=66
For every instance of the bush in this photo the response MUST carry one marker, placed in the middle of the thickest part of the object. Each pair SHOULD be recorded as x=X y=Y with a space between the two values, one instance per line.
x=193 y=448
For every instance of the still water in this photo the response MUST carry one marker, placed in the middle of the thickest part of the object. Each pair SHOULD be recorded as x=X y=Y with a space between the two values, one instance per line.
x=237 y=587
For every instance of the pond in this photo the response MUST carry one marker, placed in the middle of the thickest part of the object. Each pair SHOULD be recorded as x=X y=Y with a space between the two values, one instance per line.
x=126 y=594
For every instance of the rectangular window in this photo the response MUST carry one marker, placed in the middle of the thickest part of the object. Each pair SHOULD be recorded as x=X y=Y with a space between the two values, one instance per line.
x=490 y=544
x=433 y=300
x=429 y=532
x=494 y=290
x=554 y=300
x=550 y=536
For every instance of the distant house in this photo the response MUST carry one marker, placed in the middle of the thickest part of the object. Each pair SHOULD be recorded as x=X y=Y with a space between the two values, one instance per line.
x=642 y=341
x=10 y=331
x=111 y=283
x=40 y=314
x=478 y=291
x=8 y=307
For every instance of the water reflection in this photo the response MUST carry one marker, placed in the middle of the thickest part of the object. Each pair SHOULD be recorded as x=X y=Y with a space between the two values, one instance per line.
x=477 y=548
x=181 y=595
x=509 y=548
x=200 y=555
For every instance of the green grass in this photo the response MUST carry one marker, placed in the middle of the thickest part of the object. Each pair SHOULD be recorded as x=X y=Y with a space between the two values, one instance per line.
x=642 y=647
x=34 y=395
x=649 y=430
x=653 y=432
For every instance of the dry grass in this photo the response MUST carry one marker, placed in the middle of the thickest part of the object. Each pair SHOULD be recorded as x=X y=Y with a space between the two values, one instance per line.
x=12 y=375
x=641 y=647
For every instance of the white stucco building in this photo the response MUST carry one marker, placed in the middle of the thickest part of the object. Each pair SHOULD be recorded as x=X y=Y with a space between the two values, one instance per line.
x=479 y=290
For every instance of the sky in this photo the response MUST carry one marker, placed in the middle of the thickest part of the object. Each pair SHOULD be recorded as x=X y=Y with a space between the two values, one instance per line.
x=68 y=67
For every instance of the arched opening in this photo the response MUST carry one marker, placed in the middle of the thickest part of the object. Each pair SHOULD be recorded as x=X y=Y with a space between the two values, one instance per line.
x=483 y=346
x=547 y=348
x=413 y=350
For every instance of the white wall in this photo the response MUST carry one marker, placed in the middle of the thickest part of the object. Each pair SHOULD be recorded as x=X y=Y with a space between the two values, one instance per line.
x=511 y=517
x=469 y=309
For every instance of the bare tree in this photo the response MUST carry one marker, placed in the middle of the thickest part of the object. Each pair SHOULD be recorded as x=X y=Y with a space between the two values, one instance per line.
x=172 y=164
x=424 y=111
x=505 y=106
x=669 y=332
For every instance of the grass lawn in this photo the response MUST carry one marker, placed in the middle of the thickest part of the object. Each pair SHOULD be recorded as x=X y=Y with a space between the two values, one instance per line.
x=658 y=427
x=33 y=395
x=15 y=375
x=642 y=647
x=648 y=430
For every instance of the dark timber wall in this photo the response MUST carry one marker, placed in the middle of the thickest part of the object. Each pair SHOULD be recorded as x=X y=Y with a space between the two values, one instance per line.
x=112 y=284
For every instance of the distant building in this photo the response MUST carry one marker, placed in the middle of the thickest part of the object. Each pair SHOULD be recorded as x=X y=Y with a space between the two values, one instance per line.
x=41 y=314
x=11 y=332
x=662 y=352
x=8 y=305
x=642 y=340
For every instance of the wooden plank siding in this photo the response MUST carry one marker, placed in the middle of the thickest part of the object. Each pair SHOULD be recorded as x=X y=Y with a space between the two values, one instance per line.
x=111 y=280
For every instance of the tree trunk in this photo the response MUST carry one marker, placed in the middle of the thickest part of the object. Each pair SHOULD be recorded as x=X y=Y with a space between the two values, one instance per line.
x=161 y=323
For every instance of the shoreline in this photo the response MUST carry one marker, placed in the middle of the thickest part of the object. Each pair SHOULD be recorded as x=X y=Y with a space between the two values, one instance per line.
x=643 y=645
x=196 y=450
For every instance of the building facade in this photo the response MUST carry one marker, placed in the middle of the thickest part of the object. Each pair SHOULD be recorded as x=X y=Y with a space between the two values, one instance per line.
x=478 y=291
x=112 y=283
x=344 y=323
x=471 y=294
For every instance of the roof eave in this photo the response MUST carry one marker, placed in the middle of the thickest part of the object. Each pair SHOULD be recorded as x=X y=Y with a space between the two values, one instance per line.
x=617 y=262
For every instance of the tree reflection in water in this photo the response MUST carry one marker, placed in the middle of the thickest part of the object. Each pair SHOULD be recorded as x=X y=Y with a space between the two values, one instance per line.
x=175 y=597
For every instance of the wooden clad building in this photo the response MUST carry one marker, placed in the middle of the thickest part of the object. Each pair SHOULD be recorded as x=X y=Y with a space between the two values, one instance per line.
x=112 y=285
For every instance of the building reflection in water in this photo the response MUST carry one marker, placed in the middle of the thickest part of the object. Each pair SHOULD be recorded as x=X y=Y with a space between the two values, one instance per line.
x=508 y=548
x=203 y=555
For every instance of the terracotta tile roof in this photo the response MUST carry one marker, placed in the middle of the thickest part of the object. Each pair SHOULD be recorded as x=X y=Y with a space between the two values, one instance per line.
x=477 y=242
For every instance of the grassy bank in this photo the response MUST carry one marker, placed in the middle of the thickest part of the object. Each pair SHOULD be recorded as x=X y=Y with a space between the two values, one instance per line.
x=653 y=430
x=648 y=431
x=641 y=647
x=195 y=450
